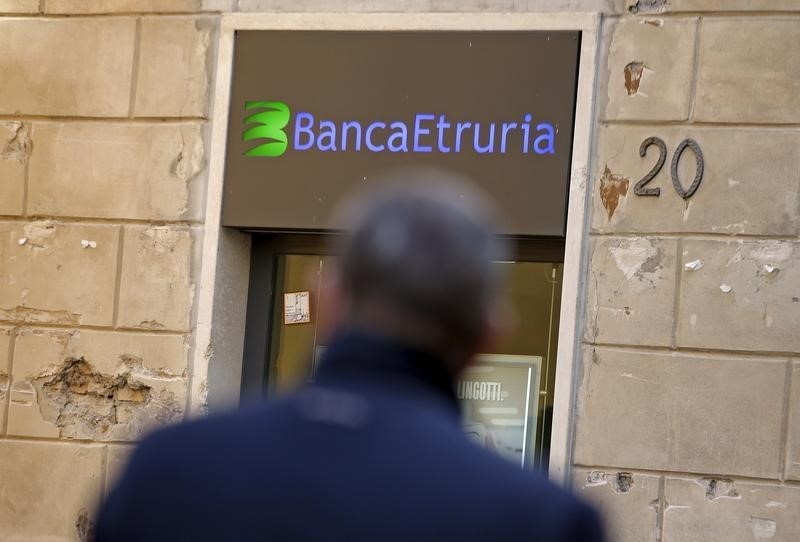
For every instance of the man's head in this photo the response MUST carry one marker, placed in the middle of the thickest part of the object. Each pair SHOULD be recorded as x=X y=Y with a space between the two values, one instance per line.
x=417 y=266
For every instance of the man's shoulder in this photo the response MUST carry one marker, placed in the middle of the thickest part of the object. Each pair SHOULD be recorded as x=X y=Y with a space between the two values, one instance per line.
x=211 y=431
x=550 y=512
x=233 y=449
x=526 y=502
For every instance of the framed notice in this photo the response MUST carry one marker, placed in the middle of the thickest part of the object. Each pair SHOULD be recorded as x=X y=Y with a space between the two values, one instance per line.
x=296 y=308
x=499 y=402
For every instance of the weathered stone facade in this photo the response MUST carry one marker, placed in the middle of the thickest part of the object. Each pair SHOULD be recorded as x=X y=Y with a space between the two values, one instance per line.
x=102 y=174
x=687 y=416
x=691 y=339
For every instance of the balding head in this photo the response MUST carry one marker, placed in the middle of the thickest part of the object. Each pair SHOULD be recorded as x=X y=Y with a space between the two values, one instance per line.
x=417 y=264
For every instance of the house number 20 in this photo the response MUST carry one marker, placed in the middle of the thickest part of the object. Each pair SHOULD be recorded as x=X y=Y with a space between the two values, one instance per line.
x=640 y=190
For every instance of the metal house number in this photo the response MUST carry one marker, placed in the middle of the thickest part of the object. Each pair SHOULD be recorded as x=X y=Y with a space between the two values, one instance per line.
x=640 y=190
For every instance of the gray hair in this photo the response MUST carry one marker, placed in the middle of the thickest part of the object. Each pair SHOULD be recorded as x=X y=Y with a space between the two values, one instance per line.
x=424 y=251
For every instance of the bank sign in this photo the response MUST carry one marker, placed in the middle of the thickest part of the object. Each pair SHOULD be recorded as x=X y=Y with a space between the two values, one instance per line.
x=428 y=133
x=317 y=114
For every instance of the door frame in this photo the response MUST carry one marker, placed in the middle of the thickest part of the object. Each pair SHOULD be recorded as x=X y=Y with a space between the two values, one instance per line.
x=259 y=324
x=222 y=248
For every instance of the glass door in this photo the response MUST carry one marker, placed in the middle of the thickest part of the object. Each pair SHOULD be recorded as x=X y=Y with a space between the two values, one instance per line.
x=506 y=395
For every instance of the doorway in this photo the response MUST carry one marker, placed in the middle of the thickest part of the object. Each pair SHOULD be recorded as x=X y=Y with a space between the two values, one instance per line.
x=507 y=396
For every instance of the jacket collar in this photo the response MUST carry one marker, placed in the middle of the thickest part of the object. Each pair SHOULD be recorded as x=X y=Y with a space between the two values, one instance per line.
x=358 y=356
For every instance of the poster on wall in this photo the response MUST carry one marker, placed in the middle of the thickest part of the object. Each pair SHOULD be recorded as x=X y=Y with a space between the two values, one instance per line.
x=499 y=401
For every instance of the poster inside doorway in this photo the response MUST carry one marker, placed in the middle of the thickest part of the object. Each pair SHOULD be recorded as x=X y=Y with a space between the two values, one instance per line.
x=499 y=398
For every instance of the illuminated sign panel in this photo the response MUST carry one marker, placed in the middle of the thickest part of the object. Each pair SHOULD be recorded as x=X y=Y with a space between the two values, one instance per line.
x=328 y=137
x=314 y=114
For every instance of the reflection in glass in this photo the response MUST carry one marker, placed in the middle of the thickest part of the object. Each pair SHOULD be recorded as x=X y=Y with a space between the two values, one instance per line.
x=506 y=396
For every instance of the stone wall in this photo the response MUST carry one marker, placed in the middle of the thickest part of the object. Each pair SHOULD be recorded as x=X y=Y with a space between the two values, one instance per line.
x=103 y=111
x=687 y=420
x=687 y=410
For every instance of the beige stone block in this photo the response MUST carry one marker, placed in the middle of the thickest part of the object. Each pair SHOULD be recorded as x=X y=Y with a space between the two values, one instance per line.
x=793 y=453
x=677 y=412
x=628 y=502
x=173 y=67
x=146 y=354
x=139 y=171
x=748 y=71
x=746 y=296
x=57 y=273
x=97 y=385
x=66 y=66
x=72 y=7
x=116 y=461
x=406 y=6
x=19 y=6
x=15 y=145
x=650 y=69
x=731 y=5
x=750 y=183
x=156 y=290
x=24 y=415
x=705 y=509
x=50 y=490
x=631 y=291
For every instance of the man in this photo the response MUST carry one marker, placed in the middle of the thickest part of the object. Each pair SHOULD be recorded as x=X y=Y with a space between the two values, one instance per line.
x=373 y=450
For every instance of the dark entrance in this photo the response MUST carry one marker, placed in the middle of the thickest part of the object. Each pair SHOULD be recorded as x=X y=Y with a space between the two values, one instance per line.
x=507 y=396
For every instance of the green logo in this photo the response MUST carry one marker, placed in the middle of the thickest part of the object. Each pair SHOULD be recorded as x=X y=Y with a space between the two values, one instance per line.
x=270 y=122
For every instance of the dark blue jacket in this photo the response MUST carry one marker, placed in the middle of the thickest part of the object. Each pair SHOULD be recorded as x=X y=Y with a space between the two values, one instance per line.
x=372 y=451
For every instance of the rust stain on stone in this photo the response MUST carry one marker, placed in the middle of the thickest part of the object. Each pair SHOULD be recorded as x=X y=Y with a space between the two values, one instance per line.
x=633 y=77
x=612 y=187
